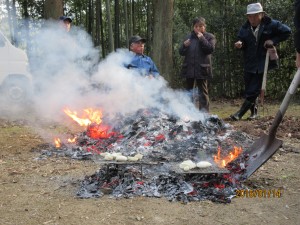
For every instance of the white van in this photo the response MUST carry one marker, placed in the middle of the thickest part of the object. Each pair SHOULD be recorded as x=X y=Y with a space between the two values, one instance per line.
x=15 y=79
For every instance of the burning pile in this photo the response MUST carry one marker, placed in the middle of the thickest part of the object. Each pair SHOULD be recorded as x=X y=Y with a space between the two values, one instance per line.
x=130 y=181
x=163 y=142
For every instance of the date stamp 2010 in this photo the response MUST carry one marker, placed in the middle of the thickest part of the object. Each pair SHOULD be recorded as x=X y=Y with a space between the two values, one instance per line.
x=258 y=193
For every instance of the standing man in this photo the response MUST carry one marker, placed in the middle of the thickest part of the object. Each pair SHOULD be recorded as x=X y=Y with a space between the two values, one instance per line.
x=140 y=62
x=197 y=66
x=297 y=34
x=259 y=33
x=66 y=22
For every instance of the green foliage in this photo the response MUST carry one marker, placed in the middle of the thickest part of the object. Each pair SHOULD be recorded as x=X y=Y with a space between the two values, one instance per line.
x=223 y=18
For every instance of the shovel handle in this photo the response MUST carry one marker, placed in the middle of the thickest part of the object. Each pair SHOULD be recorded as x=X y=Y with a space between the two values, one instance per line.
x=283 y=107
x=264 y=82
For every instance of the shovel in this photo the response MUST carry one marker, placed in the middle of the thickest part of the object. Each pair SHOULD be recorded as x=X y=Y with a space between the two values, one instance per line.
x=267 y=145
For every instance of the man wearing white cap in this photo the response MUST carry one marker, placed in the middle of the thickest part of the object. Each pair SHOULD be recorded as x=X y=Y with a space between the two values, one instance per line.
x=259 y=33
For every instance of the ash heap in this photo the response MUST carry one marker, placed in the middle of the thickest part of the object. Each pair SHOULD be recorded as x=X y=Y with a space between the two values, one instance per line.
x=156 y=155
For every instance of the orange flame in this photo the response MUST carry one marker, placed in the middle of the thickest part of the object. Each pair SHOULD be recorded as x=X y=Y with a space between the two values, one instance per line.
x=91 y=119
x=71 y=140
x=223 y=161
x=90 y=116
x=57 y=142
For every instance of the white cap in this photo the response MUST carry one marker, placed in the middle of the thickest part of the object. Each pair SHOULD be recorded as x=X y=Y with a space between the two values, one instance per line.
x=254 y=8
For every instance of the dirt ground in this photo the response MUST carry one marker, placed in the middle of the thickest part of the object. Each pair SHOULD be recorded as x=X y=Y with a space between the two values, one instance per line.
x=43 y=191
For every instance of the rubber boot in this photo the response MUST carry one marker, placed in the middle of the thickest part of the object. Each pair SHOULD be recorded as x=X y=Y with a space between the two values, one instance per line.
x=254 y=112
x=239 y=114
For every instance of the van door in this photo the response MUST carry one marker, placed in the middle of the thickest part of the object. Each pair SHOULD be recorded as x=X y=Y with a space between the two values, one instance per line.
x=15 y=79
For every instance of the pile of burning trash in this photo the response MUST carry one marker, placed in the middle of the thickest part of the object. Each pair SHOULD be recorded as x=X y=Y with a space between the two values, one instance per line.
x=153 y=154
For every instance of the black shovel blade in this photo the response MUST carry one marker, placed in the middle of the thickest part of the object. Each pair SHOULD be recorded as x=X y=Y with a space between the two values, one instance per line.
x=261 y=150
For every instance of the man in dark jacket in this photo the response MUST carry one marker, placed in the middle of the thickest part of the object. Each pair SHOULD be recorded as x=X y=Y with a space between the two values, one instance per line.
x=259 y=33
x=197 y=49
x=297 y=34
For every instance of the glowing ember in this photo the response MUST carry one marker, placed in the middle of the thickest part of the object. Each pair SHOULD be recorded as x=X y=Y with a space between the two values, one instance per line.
x=57 y=142
x=223 y=161
x=99 y=131
x=160 y=137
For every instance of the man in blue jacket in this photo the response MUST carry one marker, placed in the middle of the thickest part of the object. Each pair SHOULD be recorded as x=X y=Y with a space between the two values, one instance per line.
x=140 y=62
x=259 y=33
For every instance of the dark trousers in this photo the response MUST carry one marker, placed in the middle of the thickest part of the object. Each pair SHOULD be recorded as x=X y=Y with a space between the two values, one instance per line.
x=253 y=82
x=202 y=92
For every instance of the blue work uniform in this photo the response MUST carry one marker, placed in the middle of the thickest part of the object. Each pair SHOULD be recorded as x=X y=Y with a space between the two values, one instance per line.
x=144 y=65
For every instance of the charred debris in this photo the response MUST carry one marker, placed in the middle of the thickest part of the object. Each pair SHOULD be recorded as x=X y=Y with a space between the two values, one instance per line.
x=164 y=142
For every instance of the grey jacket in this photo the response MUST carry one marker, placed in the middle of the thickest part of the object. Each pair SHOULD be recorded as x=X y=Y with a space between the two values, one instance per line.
x=197 y=62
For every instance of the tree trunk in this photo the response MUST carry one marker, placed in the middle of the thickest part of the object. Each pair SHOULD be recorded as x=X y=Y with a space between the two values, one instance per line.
x=162 y=37
x=149 y=22
x=90 y=17
x=15 y=24
x=11 y=30
x=99 y=28
x=102 y=31
x=110 y=30
x=117 y=24
x=26 y=23
x=53 y=9
x=126 y=23
x=131 y=18
x=97 y=31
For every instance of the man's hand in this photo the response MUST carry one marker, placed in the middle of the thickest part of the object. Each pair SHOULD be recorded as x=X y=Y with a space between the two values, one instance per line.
x=238 y=44
x=187 y=42
x=268 y=44
x=199 y=35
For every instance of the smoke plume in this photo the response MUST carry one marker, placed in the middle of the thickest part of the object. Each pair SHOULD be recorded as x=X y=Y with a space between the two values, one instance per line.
x=67 y=72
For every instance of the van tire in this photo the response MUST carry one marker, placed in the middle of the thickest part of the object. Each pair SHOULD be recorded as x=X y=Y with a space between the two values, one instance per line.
x=16 y=89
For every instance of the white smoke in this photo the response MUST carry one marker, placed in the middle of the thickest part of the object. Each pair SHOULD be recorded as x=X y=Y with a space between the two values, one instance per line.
x=128 y=92
x=66 y=73
x=62 y=64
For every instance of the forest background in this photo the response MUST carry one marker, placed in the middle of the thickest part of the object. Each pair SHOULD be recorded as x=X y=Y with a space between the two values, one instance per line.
x=164 y=23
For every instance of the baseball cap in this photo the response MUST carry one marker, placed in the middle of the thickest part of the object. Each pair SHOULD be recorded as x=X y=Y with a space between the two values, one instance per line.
x=136 y=38
x=64 y=18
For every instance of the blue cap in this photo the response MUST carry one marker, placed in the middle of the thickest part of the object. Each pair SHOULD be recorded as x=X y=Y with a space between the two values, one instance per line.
x=64 y=18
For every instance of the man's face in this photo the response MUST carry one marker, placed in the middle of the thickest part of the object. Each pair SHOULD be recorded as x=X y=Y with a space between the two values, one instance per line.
x=137 y=47
x=67 y=25
x=199 y=27
x=255 y=19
